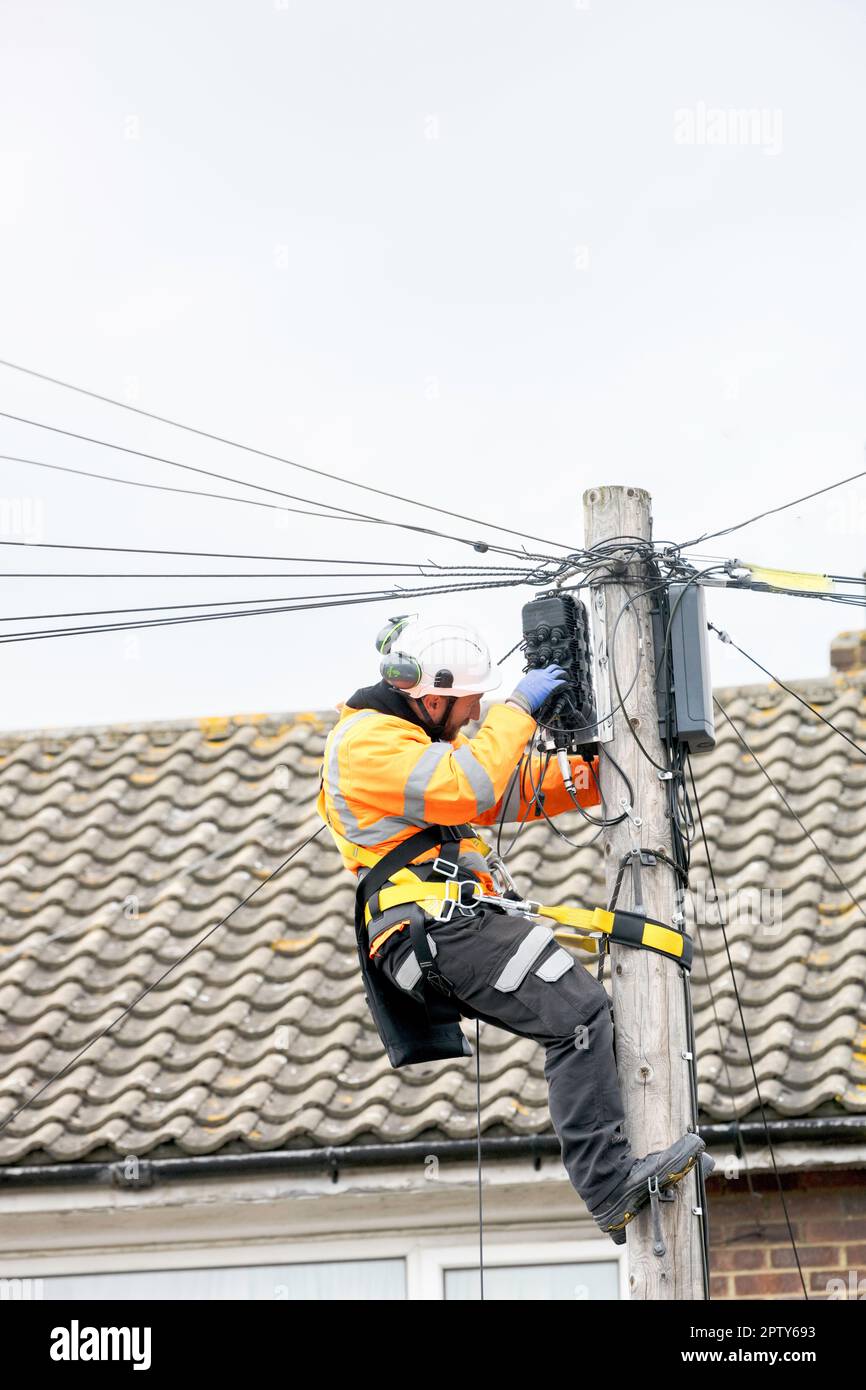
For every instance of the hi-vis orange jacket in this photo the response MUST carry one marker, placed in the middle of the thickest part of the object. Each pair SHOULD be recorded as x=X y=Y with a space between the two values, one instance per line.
x=383 y=779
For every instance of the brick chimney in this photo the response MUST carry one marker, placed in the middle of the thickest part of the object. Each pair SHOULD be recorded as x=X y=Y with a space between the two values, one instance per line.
x=848 y=651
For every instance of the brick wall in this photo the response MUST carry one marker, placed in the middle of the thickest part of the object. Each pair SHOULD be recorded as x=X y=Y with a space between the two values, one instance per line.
x=750 y=1249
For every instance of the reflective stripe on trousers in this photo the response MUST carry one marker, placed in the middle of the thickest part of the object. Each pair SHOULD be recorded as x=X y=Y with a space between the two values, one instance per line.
x=510 y=971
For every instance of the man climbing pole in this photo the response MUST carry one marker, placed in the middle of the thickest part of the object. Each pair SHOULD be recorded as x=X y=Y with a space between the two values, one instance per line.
x=441 y=932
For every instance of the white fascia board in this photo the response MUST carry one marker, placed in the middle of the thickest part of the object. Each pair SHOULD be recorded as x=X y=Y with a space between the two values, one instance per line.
x=794 y=1156
x=90 y=1227
x=383 y=1211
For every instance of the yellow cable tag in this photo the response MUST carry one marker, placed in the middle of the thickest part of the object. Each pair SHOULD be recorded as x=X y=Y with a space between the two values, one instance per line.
x=791 y=579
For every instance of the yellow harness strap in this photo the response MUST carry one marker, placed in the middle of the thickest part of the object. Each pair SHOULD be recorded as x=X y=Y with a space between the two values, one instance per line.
x=369 y=858
x=624 y=927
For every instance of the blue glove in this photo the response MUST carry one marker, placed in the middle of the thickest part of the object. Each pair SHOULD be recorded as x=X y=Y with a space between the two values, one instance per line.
x=536 y=686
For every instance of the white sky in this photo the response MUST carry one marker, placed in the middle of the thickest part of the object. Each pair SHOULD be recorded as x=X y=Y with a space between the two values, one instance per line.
x=458 y=251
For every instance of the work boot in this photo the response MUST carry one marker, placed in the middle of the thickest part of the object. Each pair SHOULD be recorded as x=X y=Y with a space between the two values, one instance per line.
x=668 y=1165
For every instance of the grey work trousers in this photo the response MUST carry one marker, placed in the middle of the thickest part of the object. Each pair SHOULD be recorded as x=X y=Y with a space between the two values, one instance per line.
x=509 y=971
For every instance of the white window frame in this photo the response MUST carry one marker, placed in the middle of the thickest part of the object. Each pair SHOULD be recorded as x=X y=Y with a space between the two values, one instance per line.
x=426 y=1264
x=426 y=1257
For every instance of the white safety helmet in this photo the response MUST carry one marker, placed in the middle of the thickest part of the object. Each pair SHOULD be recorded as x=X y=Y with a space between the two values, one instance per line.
x=424 y=658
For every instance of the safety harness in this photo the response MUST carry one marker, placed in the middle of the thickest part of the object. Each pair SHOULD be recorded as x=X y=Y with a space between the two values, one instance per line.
x=440 y=900
x=395 y=890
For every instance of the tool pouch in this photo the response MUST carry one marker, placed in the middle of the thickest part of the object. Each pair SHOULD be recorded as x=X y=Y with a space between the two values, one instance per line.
x=410 y=1031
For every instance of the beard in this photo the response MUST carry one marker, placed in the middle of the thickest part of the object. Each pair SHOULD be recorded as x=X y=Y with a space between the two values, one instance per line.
x=454 y=726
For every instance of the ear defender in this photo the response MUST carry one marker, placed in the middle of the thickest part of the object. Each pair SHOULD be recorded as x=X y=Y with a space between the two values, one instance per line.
x=399 y=670
x=392 y=629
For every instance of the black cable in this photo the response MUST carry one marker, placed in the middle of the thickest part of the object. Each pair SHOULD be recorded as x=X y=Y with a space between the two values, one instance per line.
x=662 y=661
x=174 y=463
x=592 y=820
x=836 y=875
x=771 y=511
x=760 y=586
x=703 y=1205
x=518 y=643
x=504 y=804
x=523 y=819
x=789 y=807
x=661 y=585
x=742 y=1153
x=248 y=613
x=261 y=453
x=171 y=607
x=234 y=574
x=679 y=814
x=345 y=513
x=723 y=925
x=538 y=798
x=623 y=775
x=679 y=863
x=681 y=830
x=724 y=637
x=160 y=978
x=606 y=821
x=269 y=506
x=287 y=559
x=612 y=656
x=597 y=723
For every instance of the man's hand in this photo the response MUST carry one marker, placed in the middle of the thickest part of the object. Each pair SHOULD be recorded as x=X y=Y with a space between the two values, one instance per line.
x=531 y=693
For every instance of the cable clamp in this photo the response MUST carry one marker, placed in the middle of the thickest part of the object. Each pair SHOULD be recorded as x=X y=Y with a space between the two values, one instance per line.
x=635 y=824
x=664 y=776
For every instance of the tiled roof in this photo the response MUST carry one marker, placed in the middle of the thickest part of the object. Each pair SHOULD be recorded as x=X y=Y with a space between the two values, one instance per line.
x=122 y=846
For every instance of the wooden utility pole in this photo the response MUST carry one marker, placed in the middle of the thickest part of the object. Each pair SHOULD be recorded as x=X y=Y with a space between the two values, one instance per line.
x=648 y=994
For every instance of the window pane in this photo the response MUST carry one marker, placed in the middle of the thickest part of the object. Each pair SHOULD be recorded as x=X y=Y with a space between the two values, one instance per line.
x=349 y=1279
x=518 y=1282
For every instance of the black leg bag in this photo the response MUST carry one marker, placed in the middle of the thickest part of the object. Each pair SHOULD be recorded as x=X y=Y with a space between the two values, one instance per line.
x=410 y=1031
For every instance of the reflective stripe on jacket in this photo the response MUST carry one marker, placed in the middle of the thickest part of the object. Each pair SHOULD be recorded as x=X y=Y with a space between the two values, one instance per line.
x=383 y=779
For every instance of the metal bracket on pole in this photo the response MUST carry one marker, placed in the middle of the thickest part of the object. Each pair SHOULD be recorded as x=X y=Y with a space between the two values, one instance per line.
x=639 y=857
x=636 y=855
